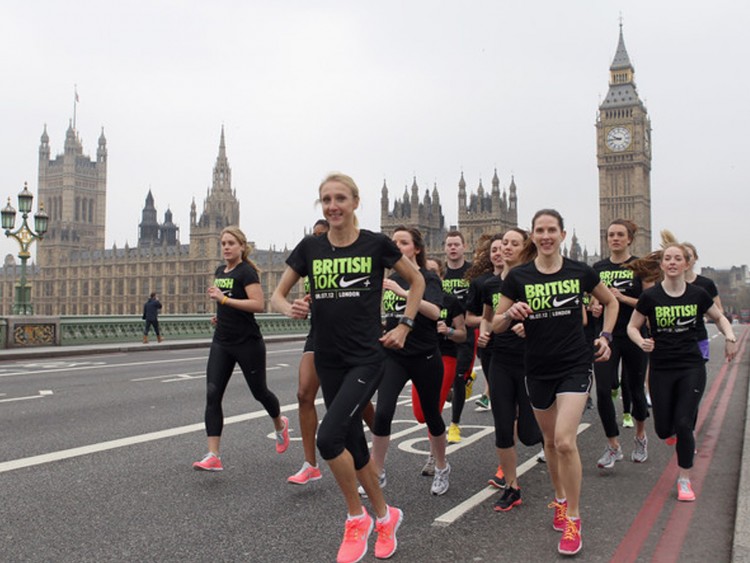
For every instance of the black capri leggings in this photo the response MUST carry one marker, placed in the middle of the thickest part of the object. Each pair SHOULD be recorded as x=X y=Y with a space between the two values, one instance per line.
x=510 y=402
x=675 y=396
x=633 y=362
x=251 y=357
x=346 y=392
x=426 y=374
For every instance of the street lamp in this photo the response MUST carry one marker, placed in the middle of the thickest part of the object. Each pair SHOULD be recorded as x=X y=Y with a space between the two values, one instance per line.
x=25 y=238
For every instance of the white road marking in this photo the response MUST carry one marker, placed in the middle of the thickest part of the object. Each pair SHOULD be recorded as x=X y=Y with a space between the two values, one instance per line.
x=79 y=366
x=42 y=394
x=448 y=518
x=125 y=442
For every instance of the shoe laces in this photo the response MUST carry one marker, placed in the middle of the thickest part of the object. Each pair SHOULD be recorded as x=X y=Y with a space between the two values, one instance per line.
x=684 y=485
x=384 y=530
x=571 y=530
x=561 y=509
x=352 y=529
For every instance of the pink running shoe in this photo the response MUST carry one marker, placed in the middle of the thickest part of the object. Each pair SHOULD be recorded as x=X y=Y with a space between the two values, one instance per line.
x=211 y=462
x=356 y=533
x=671 y=441
x=305 y=475
x=685 y=491
x=387 y=543
x=560 y=519
x=282 y=437
x=570 y=542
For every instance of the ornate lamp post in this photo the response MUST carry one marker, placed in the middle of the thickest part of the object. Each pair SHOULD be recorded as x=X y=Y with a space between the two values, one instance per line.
x=25 y=238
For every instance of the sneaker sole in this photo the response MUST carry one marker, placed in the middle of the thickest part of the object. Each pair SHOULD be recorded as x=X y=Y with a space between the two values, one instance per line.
x=208 y=469
x=518 y=502
x=291 y=480
x=563 y=552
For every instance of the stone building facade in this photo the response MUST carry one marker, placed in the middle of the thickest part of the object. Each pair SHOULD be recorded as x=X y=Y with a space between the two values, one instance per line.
x=76 y=275
x=481 y=212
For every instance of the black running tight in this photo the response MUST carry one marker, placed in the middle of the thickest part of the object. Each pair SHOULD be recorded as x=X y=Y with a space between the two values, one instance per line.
x=251 y=357
x=510 y=402
x=675 y=395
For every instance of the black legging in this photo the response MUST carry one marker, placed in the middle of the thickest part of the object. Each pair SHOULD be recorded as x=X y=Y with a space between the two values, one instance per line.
x=606 y=373
x=346 y=392
x=251 y=357
x=426 y=374
x=510 y=402
x=675 y=396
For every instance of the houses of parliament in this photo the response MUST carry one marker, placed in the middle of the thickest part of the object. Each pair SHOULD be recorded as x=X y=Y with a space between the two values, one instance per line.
x=75 y=274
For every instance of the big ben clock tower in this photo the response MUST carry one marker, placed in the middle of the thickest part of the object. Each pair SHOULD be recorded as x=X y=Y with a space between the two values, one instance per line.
x=623 y=154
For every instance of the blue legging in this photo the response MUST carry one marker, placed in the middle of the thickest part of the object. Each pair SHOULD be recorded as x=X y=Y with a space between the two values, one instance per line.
x=251 y=357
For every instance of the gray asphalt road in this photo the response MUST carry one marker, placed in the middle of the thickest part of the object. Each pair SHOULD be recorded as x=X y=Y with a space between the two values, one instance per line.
x=95 y=466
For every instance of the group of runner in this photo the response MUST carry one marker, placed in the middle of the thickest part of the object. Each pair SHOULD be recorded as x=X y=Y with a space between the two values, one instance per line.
x=522 y=304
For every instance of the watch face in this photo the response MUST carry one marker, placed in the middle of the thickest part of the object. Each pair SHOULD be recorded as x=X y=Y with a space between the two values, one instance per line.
x=618 y=139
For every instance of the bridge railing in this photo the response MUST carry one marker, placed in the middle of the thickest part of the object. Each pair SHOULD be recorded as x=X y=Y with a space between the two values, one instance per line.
x=18 y=331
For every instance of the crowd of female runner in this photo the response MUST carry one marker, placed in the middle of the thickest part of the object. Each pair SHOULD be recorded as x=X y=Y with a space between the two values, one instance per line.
x=543 y=324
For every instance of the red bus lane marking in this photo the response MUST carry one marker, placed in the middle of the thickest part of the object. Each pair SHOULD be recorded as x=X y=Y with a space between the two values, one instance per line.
x=632 y=543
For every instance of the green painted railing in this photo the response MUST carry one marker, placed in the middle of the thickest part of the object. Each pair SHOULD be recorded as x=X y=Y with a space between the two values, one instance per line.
x=124 y=328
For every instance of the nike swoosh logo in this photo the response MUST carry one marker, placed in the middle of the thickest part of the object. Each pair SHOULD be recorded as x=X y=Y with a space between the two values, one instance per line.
x=685 y=322
x=346 y=283
x=459 y=291
x=360 y=381
x=620 y=283
x=400 y=306
x=560 y=302
x=430 y=356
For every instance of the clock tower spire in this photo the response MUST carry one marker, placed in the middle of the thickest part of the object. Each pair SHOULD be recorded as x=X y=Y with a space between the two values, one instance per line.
x=623 y=151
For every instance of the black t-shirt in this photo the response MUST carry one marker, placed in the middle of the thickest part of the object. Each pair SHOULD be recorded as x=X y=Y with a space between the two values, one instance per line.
x=455 y=284
x=555 y=342
x=624 y=279
x=232 y=325
x=346 y=286
x=451 y=309
x=423 y=338
x=506 y=343
x=674 y=325
x=710 y=287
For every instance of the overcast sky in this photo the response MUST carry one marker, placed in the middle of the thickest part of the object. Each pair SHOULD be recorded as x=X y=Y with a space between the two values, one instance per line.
x=383 y=90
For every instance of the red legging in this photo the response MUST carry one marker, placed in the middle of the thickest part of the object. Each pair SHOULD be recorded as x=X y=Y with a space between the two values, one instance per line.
x=449 y=373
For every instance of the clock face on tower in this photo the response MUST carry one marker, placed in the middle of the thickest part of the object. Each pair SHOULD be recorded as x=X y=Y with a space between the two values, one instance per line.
x=618 y=139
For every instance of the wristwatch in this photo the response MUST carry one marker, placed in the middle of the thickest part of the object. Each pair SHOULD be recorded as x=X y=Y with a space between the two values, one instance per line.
x=607 y=335
x=407 y=321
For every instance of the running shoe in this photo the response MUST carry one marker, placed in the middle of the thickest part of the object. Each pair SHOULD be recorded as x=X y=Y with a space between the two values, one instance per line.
x=627 y=420
x=356 y=533
x=483 y=402
x=609 y=457
x=305 y=475
x=440 y=483
x=685 y=491
x=454 y=433
x=615 y=393
x=211 y=462
x=671 y=441
x=511 y=497
x=282 y=436
x=498 y=479
x=470 y=383
x=648 y=399
x=449 y=396
x=541 y=457
x=640 y=453
x=560 y=518
x=386 y=544
x=570 y=542
x=382 y=481
x=589 y=403
x=428 y=470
